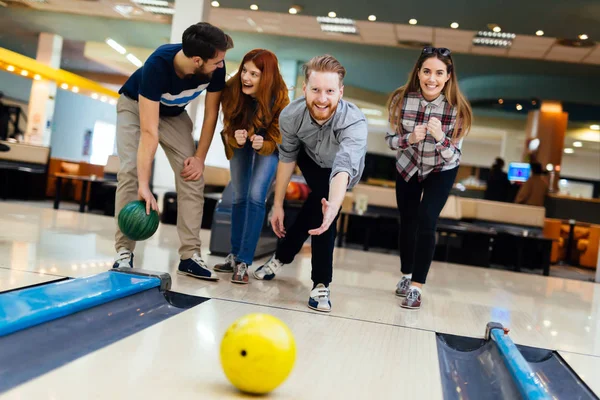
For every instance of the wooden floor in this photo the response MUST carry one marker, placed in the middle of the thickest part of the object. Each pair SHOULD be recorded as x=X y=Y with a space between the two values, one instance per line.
x=367 y=346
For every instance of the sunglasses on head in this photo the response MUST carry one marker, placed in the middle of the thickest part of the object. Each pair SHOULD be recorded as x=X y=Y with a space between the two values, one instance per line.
x=442 y=51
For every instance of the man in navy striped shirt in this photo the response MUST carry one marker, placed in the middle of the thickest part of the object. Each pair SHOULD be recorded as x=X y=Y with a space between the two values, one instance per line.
x=151 y=110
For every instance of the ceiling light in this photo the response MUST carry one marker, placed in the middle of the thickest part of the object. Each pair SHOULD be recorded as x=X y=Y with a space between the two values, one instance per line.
x=497 y=29
x=10 y=68
x=159 y=10
x=595 y=127
x=540 y=33
x=519 y=107
x=337 y=21
x=215 y=4
x=338 y=28
x=569 y=150
x=454 y=25
x=158 y=3
x=64 y=86
x=75 y=89
x=500 y=101
x=493 y=39
x=583 y=36
x=103 y=99
x=24 y=73
x=124 y=10
x=332 y=14
x=134 y=60
x=116 y=46
x=577 y=144
x=412 y=21
x=94 y=96
x=253 y=7
x=37 y=77
x=293 y=10
x=372 y=18
x=112 y=102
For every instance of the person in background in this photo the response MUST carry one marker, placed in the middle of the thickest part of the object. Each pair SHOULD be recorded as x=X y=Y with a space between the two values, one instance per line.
x=498 y=185
x=534 y=191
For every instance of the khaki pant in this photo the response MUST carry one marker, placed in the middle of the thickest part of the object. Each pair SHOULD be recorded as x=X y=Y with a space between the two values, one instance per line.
x=175 y=137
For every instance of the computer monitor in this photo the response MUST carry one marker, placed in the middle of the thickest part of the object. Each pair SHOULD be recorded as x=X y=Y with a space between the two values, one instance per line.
x=518 y=172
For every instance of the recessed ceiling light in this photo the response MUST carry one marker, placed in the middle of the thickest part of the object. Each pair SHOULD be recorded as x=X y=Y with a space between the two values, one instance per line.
x=10 y=68
x=569 y=150
x=454 y=25
x=583 y=36
x=577 y=144
x=215 y=4
x=519 y=107
x=37 y=77
x=75 y=89
x=595 y=127
x=293 y=10
x=540 y=33
x=500 y=101
x=412 y=21
x=372 y=18
x=497 y=29
x=253 y=7
x=64 y=86
x=332 y=14
x=24 y=73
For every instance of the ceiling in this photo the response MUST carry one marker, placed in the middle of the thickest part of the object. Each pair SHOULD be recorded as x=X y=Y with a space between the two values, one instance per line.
x=374 y=59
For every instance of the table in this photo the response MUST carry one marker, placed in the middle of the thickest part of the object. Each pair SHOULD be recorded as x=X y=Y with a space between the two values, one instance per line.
x=84 y=187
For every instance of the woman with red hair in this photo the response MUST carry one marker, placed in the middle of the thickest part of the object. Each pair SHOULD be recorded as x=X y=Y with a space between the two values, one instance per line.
x=252 y=101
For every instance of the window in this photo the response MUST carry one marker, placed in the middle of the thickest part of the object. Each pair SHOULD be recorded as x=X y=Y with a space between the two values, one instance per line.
x=103 y=142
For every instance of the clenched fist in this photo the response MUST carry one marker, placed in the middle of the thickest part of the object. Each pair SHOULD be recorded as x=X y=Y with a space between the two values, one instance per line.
x=241 y=135
x=418 y=134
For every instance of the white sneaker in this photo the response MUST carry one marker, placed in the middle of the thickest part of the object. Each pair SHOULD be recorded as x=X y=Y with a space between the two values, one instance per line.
x=319 y=299
x=123 y=259
x=268 y=270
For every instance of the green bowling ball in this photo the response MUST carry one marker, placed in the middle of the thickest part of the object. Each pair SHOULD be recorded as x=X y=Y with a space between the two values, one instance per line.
x=135 y=223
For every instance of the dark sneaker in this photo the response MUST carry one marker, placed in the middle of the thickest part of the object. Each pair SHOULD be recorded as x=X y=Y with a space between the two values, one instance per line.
x=268 y=270
x=240 y=273
x=319 y=299
x=123 y=259
x=412 y=300
x=197 y=268
x=402 y=287
x=227 y=266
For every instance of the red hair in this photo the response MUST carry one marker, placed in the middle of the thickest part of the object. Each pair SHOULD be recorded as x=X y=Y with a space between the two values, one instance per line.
x=271 y=93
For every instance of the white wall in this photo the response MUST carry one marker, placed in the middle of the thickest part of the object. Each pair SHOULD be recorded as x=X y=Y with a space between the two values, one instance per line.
x=74 y=114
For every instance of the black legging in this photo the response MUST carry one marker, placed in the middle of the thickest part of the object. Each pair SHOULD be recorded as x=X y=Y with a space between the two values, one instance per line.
x=418 y=219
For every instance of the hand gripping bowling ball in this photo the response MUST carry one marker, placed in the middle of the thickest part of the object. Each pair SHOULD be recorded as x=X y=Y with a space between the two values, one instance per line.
x=258 y=352
x=135 y=223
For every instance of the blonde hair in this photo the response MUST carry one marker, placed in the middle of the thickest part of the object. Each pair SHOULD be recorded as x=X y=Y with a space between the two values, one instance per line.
x=325 y=63
x=464 y=114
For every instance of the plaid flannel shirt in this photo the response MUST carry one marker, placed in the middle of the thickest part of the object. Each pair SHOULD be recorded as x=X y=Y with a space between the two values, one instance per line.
x=427 y=156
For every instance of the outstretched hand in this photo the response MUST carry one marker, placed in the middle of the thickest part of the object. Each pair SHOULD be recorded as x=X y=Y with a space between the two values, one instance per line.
x=329 y=214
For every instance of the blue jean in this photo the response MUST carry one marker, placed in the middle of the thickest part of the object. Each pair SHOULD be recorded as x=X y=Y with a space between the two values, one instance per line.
x=251 y=178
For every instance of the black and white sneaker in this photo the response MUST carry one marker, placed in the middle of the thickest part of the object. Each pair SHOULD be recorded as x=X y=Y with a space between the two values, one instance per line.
x=196 y=267
x=123 y=259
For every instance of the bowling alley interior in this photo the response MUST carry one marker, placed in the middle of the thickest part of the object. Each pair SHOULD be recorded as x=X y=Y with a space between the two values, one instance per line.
x=511 y=305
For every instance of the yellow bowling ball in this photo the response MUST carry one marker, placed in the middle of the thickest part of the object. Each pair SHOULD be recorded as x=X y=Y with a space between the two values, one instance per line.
x=258 y=352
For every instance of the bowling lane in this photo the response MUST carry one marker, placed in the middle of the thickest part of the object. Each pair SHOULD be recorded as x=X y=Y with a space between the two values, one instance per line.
x=12 y=279
x=336 y=358
x=587 y=367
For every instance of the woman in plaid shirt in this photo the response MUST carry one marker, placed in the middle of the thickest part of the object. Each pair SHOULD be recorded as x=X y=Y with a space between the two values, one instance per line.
x=429 y=117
